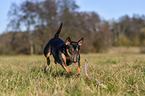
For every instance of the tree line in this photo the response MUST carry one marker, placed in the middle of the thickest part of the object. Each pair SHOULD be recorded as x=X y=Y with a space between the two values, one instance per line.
x=33 y=22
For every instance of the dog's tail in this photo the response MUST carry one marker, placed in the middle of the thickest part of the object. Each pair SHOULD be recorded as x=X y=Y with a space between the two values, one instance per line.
x=59 y=30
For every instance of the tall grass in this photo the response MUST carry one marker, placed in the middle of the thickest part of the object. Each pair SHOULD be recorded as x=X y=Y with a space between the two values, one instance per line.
x=124 y=74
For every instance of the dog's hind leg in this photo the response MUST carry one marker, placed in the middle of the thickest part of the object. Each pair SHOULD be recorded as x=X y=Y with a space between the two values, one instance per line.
x=48 y=59
x=47 y=53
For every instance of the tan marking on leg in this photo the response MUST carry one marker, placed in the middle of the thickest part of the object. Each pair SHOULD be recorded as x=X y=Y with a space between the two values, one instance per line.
x=78 y=69
x=71 y=57
x=64 y=57
x=68 y=52
x=47 y=57
x=48 y=54
x=65 y=66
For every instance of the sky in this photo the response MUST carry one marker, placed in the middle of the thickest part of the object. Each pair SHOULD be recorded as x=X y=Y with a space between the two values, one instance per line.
x=107 y=9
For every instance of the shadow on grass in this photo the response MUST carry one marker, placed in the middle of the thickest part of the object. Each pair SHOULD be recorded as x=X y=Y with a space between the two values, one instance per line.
x=49 y=70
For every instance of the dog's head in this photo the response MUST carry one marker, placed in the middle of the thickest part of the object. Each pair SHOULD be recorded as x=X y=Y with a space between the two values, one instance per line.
x=73 y=48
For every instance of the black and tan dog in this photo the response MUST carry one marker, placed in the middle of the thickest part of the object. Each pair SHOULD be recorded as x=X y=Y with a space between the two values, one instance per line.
x=64 y=53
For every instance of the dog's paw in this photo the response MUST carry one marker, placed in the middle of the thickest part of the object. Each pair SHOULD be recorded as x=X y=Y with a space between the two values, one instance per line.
x=78 y=74
x=71 y=73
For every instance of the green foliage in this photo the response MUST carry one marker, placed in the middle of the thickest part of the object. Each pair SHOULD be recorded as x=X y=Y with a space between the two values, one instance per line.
x=123 y=41
x=123 y=74
x=136 y=41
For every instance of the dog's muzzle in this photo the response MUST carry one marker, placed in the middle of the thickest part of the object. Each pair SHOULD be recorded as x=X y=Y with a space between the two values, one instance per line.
x=75 y=58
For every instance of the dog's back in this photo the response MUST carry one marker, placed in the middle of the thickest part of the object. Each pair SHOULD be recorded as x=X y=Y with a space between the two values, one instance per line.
x=54 y=44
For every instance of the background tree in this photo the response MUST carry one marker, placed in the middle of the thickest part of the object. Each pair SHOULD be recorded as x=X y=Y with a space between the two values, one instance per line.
x=33 y=23
x=128 y=30
x=25 y=15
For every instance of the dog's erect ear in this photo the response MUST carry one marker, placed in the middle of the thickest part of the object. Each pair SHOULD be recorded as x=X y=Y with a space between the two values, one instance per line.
x=68 y=41
x=80 y=41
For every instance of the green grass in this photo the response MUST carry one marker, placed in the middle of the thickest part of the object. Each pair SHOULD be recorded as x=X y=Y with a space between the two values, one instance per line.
x=124 y=74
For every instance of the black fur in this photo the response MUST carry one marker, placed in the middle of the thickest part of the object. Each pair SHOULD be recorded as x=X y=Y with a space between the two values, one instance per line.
x=64 y=53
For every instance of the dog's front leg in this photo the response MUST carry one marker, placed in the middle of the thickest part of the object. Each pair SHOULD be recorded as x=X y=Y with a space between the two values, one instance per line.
x=78 y=66
x=64 y=65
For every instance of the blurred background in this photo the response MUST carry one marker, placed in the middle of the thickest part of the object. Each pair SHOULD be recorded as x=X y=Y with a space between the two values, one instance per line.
x=107 y=26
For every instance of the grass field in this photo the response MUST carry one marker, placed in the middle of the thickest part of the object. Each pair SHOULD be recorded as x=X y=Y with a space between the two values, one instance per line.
x=124 y=74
